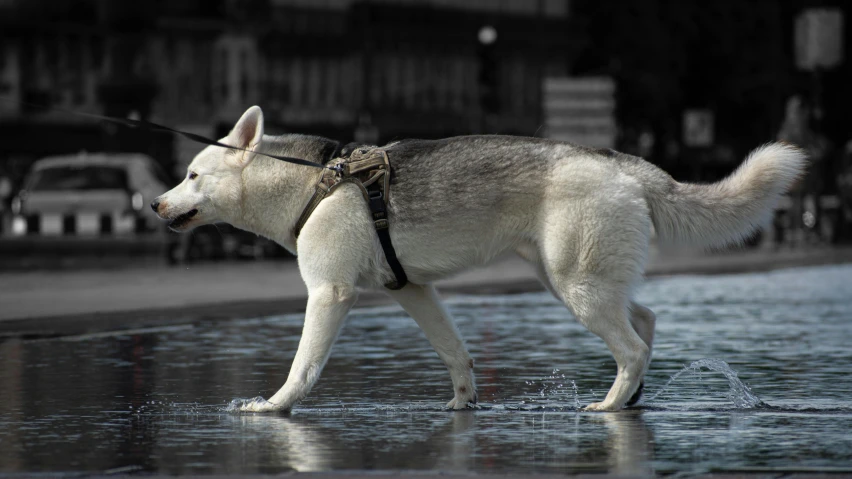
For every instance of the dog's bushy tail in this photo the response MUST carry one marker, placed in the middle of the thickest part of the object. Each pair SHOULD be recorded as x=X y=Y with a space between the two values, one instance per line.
x=730 y=211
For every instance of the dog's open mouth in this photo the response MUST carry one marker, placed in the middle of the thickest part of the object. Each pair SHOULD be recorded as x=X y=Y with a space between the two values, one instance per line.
x=182 y=219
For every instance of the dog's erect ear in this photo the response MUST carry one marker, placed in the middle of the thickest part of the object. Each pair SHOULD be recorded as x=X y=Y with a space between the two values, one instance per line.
x=247 y=134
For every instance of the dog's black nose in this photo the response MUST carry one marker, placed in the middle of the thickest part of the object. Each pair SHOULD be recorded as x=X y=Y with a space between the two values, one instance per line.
x=154 y=205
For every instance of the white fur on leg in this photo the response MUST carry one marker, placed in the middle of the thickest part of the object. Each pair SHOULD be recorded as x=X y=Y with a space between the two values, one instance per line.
x=630 y=354
x=423 y=304
x=644 y=322
x=327 y=308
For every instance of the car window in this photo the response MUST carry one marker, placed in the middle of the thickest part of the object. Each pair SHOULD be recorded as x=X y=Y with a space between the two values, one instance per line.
x=79 y=178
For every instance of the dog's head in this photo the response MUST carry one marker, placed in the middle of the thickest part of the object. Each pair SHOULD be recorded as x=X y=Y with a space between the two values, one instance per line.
x=212 y=188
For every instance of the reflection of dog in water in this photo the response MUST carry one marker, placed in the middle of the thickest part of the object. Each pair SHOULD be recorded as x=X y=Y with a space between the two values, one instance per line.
x=583 y=218
x=618 y=444
x=338 y=440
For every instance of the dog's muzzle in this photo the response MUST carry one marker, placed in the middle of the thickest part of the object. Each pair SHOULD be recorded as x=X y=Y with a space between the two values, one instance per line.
x=183 y=219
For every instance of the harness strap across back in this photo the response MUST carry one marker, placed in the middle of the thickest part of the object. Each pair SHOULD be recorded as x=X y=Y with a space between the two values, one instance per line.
x=369 y=169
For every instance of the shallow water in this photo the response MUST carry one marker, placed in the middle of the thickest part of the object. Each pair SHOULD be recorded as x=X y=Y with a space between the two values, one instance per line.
x=768 y=388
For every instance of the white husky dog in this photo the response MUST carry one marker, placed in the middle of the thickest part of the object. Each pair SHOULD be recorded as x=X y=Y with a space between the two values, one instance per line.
x=582 y=217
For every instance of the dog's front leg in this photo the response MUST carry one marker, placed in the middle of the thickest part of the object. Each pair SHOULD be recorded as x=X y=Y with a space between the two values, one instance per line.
x=423 y=304
x=326 y=311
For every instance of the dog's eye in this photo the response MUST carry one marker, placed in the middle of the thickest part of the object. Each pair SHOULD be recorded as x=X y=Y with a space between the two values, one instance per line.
x=193 y=175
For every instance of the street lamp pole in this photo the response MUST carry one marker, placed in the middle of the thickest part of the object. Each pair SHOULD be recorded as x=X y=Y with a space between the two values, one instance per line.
x=488 y=75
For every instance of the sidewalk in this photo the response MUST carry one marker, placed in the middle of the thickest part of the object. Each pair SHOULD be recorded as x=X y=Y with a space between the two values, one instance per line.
x=52 y=303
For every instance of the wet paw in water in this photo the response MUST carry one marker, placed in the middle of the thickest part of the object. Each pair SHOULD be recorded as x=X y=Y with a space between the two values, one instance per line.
x=636 y=396
x=463 y=400
x=599 y=406
x=256 y=404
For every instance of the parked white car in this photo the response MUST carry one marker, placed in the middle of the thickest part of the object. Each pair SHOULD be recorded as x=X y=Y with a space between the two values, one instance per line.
x=89 y=194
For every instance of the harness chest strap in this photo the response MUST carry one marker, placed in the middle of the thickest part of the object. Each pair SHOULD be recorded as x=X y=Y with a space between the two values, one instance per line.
x=369 y=169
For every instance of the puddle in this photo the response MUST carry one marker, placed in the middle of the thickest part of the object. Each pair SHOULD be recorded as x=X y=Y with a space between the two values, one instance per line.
x=750 y=372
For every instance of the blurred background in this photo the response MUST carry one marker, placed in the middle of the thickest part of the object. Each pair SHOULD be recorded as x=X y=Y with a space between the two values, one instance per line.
x=690 y=86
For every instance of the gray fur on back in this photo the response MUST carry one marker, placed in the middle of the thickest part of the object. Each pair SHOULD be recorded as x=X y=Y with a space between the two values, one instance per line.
x=433 y=179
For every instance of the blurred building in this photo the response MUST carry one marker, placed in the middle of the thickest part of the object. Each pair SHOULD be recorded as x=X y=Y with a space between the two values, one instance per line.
x=695 y=85
x=375 y=70
x=699 y=84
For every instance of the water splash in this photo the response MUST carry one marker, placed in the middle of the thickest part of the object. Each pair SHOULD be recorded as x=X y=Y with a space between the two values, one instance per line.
x=740 y=395
x=576 y=395
x=553 y=391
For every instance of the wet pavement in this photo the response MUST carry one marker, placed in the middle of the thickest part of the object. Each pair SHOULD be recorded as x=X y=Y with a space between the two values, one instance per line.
x=768 y=390
x=44 y=301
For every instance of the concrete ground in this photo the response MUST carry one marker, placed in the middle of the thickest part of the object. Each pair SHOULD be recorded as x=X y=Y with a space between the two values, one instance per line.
x=51 y=303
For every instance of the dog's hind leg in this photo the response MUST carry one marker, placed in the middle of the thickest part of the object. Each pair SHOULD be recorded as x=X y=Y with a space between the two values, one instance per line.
x=592 y=265
x=423 y=304
x=606 y=315
x=643 y=321
x=328 y=305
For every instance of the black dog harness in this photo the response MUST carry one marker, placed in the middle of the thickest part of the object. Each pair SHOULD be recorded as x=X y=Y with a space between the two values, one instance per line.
x=370 y=170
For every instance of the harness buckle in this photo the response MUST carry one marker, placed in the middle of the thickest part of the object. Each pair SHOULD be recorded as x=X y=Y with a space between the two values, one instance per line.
x=338 y=168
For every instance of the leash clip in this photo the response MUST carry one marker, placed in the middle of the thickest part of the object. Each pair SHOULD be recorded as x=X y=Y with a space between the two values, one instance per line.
x=338 y=168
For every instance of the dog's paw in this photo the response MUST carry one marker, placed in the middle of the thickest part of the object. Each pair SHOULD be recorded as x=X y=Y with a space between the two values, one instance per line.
x=463 y=401
x=257 y=404
x=601 y=407
x=636 y=396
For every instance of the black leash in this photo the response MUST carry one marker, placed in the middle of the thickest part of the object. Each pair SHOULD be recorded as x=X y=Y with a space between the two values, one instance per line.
x=148 y=125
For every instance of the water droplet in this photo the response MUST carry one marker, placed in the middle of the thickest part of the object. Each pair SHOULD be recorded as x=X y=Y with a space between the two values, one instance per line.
x=576 y=395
